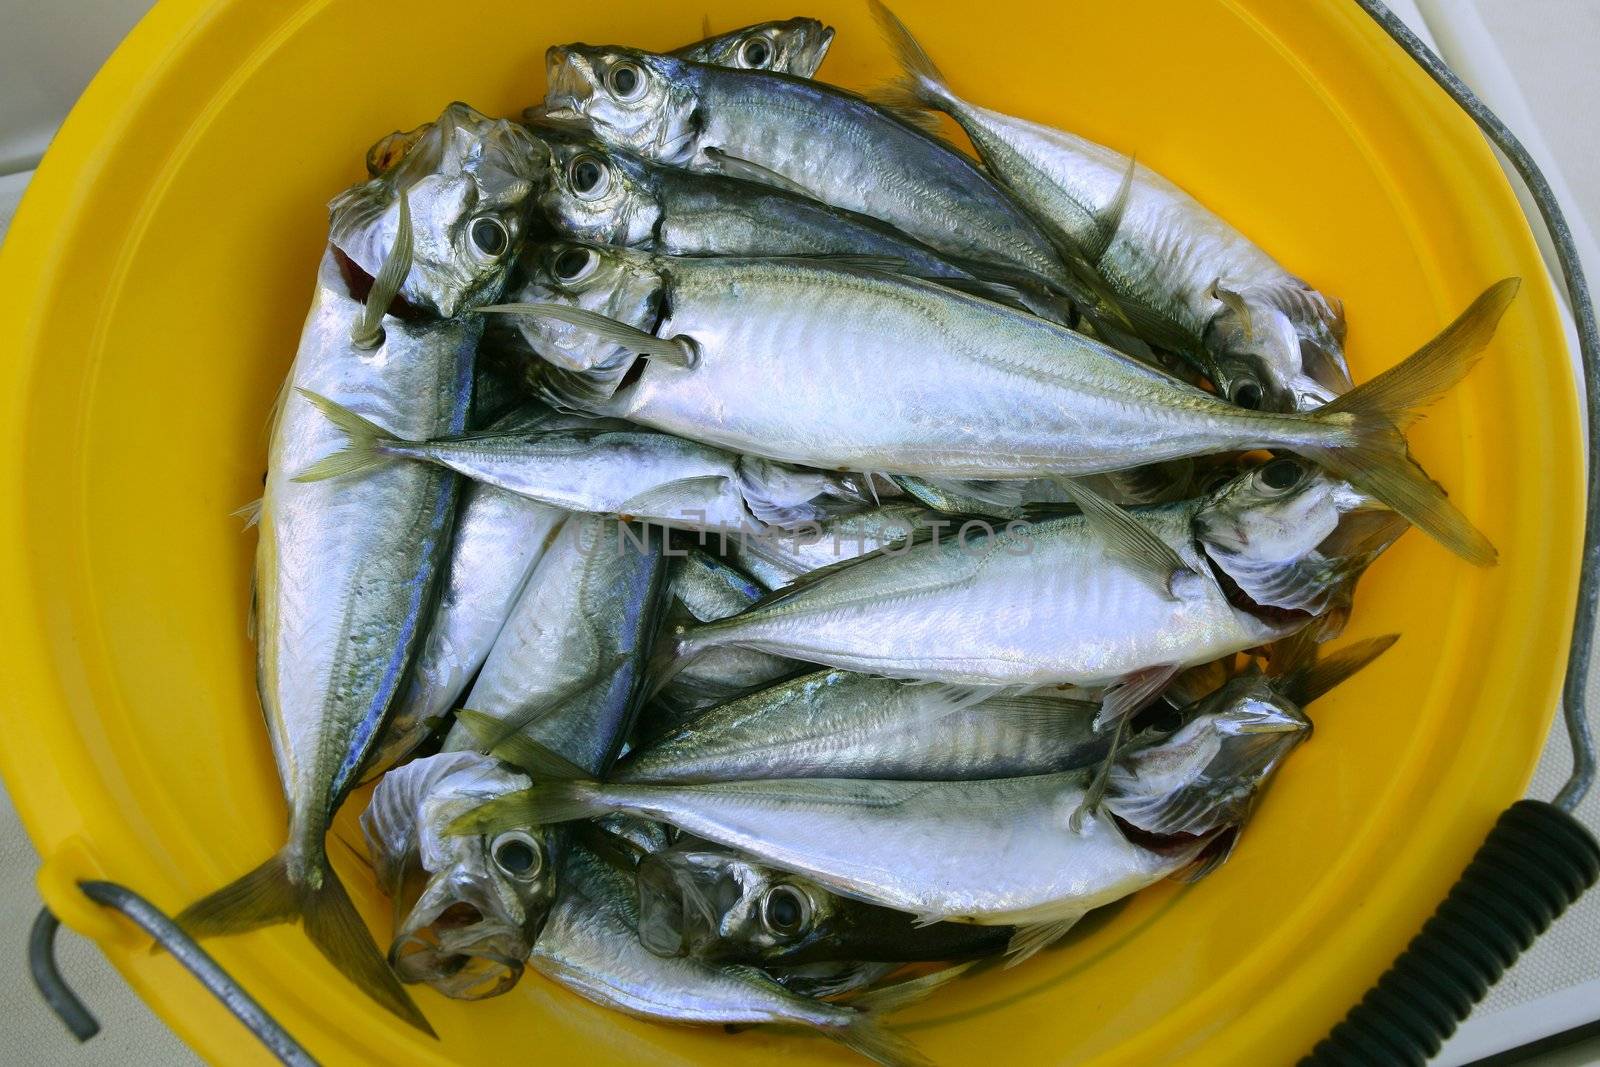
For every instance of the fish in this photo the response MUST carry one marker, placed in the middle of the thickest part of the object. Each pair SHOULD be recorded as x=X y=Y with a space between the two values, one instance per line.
x=468 y=180
x=499 y=537
x=791 y=46
x=990 y=393
x=714 y=904
x=1024 y=607
x=590 y=945
x=706 y=589
x=564 y=671
x=607 y=469
x=467 y=909
x=1189 y=280
x=346 y=573
x=1209 y=774
x=839 y=724
x=801 y=135
x=607 y=195
x=999 y=852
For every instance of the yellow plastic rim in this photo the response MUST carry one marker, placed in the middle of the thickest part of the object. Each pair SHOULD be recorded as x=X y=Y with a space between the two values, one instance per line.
x=157 y=275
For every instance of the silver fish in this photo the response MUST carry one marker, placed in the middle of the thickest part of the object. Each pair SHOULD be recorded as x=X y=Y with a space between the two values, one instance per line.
x=600 y=193
x=345 y=574
x=467 y=909
x=564 y=671
x=837 y=724
x=612 y=470
x=468 y=180
x=799 y=134
x=790 y=46
x=498 y=539
x=712 y=903
x=1209 y=773
x=707 y=589
x=1268 y=339
x=990 y=393
x=590 y=946
x=1026 y=607
x=994 y=853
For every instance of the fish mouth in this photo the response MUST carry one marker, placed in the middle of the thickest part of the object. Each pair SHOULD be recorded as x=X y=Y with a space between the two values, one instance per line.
x=676 y=914
x=569 y=85
x=461 y=954
x=1267 y=719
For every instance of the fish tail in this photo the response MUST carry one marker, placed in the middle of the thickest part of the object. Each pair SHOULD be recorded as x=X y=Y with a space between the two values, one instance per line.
x=546 y=802
x=1316 y=679
x=506 y=741
x=365 y=442
x=1375 y=458
x=920 y=87
x=869 y=1037
x=272 y=894
x=866 y=1033
x=674 y=650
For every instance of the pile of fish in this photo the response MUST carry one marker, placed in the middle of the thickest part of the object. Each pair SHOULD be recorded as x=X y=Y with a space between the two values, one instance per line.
x=772 y=559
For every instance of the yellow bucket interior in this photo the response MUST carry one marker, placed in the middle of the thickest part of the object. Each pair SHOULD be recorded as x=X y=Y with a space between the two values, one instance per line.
x=156 y=281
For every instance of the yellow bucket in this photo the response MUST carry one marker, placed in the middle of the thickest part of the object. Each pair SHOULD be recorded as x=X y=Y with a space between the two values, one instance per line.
x=156 y=279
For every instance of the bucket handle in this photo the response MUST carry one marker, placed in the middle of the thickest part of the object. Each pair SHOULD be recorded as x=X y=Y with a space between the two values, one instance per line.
x=153 y=921
x=1538 y=858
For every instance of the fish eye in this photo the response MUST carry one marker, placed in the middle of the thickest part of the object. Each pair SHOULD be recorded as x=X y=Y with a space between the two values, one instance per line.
x=588 y=176
x=1246 y=394
x=517 y=855
x=785 y=911
x=1281 y=474
x=755 y=53
x=490 y=236
x=574 y=263
x=626 y=81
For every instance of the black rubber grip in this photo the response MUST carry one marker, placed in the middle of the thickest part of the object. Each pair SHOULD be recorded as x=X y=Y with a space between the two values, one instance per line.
x=1536 y=861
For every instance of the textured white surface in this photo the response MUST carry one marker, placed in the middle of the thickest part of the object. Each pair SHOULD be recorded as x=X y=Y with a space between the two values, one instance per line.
x=1546 y=70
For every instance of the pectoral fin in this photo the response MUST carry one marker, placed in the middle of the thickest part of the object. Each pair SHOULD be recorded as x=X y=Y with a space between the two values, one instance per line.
x=734 y=167
x=1129 y=539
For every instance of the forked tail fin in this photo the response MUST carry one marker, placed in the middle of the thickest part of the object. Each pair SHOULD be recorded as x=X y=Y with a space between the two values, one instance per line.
x=1376 y=459
x=364 y=441
x=270 y=895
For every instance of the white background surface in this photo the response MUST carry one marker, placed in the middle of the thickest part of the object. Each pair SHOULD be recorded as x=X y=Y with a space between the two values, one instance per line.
x=1536 y=61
